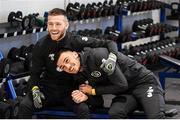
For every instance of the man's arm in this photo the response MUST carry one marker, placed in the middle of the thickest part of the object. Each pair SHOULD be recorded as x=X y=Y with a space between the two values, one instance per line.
x=36 y=70
x=37 y=65
x=108 y=65
x=81 y=42
x=118 y=80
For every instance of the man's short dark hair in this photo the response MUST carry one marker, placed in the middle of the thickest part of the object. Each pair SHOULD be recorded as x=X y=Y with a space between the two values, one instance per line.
x=58 y=54
x=57 y=11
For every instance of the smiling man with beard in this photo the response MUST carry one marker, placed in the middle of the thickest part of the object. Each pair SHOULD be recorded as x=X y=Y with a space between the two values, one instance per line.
x=54 y=87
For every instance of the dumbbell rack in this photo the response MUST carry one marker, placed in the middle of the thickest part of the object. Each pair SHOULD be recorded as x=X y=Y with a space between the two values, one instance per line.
x=7 y=31
x=172 y=17
x=119 y=23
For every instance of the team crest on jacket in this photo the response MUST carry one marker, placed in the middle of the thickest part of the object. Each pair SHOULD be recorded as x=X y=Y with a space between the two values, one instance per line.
x=96 y=74
x=51 y=56
x=85 y=38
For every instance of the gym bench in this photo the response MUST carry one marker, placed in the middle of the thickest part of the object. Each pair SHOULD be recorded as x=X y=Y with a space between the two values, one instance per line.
x=170 y=63
x=96 y=114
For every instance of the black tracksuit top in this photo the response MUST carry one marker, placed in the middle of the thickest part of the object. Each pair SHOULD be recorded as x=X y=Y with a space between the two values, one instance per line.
x=45 y=50
x=127 y=75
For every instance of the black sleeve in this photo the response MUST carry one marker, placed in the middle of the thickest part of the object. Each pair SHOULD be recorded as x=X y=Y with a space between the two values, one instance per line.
x=119 y=83
x=81 y=42
x=118 y=80
x=37 y=65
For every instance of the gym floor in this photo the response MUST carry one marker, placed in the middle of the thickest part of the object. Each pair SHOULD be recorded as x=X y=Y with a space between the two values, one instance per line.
x=172 y=95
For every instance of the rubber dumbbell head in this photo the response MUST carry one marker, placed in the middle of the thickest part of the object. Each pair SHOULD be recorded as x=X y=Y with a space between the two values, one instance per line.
x=5 y=65
x=17 y=17
x=32 y=21
x=14 y=54
x=5 y=110
x=15 y=107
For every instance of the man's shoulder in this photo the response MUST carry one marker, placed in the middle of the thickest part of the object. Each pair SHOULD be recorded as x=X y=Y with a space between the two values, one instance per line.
x=97 y=53
x=43 y=40
x=46 y=37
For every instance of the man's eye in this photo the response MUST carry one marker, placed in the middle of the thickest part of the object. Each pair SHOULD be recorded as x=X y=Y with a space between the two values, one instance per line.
x=58 y=24
x=61 y=67
x=67 y=60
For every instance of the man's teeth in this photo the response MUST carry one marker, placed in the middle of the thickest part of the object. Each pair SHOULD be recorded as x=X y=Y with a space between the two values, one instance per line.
x=54 y=32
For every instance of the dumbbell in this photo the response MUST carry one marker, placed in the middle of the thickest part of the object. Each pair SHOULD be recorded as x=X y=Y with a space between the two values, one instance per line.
x=5 y=65
x=140 y=25
x=107 y=8
x=81 y=12
x=5 y=110
x=87 y=12
x=32 y=19
x=137 y=35
x=26 y=50
x=73 y=10
x=17 y=17
x=14 y=103
x=94 y=9
x=124 y=36
x=21 y=87
x=117 y=9
x=175 y=9
x=99 y=32
x=99 y=9
x=15 y=55
x=132 y=6
x=3 y=92
x=111 y=31
x=141 y=5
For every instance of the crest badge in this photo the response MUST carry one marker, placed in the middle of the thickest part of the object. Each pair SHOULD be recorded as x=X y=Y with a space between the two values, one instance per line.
x=51 y=56
x=96 y=74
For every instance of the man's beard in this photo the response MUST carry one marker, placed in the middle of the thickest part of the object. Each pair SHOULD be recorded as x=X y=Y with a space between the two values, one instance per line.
x=60 y=37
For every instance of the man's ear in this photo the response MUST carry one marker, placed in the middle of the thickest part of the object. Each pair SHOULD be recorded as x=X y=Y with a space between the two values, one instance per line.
x=75 y=54
x=67 y=26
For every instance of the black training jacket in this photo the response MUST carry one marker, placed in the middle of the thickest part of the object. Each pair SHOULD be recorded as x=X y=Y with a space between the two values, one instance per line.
x=128 y=72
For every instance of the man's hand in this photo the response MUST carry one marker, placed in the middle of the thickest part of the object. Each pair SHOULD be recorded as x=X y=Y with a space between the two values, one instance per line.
x=78 y=96
x=109 y=65
x=37 y=96
x=85 y=88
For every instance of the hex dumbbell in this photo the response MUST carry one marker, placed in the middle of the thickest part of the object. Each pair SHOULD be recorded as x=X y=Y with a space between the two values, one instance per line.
x=140 y=25
x=73 y=10
x=15 y=55
x=17 y=17
x=5 y=65
x=5 y=110
x=32 y=19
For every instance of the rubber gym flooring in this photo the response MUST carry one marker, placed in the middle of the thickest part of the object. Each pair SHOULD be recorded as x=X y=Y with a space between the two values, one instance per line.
x=172 y=94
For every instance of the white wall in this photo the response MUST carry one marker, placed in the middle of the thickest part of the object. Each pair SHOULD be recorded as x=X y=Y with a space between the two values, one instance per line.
x=28 y=6
x=33 y=6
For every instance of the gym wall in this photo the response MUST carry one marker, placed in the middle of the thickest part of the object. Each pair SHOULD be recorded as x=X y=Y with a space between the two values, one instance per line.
x=33 y=6
x=40 y=6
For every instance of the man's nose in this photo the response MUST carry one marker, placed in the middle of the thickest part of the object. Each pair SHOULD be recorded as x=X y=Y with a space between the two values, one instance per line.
x=54 y=26
x=68 y=66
